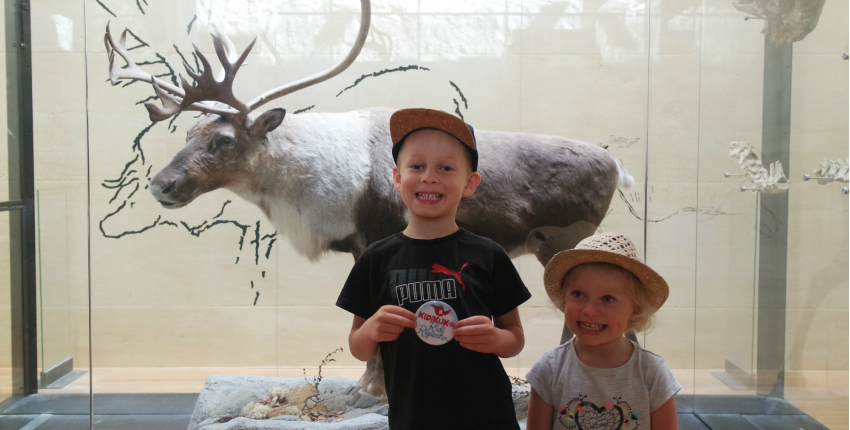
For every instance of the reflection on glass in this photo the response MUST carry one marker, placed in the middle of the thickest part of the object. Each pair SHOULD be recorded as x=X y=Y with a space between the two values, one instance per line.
x=55 y=330
x=740 y=296
x=8 y=149
x=5 y=310
x=9 y=168
x=726 y=264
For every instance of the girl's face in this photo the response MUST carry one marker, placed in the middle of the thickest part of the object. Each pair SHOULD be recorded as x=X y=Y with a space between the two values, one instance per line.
x=598 y=305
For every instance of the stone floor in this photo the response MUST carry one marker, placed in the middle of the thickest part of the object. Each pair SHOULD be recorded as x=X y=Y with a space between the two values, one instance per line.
x=111 y=411
x=173 y=411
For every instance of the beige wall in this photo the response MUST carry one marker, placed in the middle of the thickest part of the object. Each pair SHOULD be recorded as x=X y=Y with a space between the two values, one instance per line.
x=577 y=69
x=817 y=316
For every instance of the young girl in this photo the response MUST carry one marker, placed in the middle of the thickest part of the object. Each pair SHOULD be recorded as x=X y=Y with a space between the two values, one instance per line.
x=600 y=379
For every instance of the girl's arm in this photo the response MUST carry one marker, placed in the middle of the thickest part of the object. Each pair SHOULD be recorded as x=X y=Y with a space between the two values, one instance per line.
x=540 y=413
x=663 y=418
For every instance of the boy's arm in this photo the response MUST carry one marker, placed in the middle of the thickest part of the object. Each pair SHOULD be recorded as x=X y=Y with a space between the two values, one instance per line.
x=505 y=338
x=539 y=413
x=384 y=326
x=662 y=418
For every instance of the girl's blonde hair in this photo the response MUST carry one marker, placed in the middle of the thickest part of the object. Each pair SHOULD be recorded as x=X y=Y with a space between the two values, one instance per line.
x=636 y=291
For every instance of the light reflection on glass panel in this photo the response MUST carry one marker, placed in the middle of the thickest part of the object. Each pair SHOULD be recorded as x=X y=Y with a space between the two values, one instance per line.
x=568 y=69
x=55 y=324
x=5 y=310
x=816 y=328
x=4 y=140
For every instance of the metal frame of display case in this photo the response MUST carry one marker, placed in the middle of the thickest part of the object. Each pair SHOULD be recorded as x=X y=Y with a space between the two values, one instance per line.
x=21 y=205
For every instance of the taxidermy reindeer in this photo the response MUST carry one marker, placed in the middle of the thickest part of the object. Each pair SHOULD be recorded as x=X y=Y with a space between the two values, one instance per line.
x=325 y=179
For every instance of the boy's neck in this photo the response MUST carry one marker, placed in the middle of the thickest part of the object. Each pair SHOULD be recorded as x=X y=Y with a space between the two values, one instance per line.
x=426 y=228
x=606 y=356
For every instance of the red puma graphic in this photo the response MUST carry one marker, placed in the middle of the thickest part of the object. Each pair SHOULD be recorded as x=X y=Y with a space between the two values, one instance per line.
x=440 y=269
x=438 y=309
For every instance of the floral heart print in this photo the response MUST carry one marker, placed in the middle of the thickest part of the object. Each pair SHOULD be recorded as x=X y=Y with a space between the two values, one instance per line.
x=581 y=414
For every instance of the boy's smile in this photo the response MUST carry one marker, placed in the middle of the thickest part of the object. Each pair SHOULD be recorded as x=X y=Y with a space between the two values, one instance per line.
x=428 y=198
x=432 y=175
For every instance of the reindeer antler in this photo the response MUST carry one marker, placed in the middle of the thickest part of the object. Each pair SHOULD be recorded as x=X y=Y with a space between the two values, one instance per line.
x=365 y=17
x=132 y=71
x=207 y=87
x=171 y=104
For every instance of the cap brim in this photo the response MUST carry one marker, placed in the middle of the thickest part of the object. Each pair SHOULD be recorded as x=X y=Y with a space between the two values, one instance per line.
x=406 y=121
x=656 y=287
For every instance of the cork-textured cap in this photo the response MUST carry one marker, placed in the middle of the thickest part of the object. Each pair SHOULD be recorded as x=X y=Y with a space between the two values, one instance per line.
x=406 y=121
x=612 y=248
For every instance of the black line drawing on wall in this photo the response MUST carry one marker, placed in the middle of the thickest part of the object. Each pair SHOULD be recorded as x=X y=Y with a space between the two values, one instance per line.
x=136 y=172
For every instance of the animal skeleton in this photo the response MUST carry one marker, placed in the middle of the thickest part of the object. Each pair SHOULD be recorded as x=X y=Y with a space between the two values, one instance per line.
x=832 y=170
x=768 y=182
x=785 y=21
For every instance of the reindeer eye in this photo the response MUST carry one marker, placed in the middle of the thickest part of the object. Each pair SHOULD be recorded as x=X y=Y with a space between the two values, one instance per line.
x=224 y=141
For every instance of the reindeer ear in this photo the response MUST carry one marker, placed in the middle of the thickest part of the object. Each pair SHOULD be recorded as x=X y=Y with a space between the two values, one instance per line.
x=267 y=122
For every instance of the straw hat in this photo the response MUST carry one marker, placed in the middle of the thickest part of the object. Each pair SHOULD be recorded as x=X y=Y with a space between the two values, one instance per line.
x=612 y=248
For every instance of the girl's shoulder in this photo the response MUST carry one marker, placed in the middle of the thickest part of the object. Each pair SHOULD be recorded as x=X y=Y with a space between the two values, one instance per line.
x=648 y=356
x=652 y=366
x=558 y=355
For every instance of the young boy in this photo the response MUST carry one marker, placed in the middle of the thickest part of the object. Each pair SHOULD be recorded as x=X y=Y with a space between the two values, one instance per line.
x=407 y=290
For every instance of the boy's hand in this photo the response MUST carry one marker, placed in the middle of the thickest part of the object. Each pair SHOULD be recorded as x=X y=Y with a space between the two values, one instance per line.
x=504 y=339
x=388 y=323
x=477 y=333
x=384 y=326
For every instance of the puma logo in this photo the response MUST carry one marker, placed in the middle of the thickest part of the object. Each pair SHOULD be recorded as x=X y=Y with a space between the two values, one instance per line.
x=440 y=269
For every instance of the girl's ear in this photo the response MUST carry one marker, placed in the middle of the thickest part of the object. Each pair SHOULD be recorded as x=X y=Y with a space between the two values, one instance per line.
x=637 y=311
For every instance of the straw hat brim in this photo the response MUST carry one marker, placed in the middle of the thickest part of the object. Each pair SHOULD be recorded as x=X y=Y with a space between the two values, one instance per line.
x=656 y=287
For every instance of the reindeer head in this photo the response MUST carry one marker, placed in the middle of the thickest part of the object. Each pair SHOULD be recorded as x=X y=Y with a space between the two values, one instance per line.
x=217 y=154
x=223 y=146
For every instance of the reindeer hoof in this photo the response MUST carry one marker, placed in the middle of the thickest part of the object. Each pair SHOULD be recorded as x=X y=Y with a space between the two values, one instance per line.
x=365 y=401
x=352 y=389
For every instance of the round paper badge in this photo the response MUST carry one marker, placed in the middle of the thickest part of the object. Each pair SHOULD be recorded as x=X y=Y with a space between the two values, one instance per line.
x=435 y=322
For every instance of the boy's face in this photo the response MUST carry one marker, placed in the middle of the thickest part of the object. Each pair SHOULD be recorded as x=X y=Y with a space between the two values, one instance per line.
x=598 y=306
x=432 y=175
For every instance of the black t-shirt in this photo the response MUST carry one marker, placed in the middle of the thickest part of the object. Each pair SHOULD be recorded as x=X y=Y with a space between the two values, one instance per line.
x=445 y=386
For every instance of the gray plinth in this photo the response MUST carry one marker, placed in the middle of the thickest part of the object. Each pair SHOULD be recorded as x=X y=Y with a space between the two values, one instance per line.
x=221 y=401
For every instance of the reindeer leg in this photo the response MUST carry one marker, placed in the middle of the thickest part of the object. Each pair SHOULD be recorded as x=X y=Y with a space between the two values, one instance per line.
x=370 y=389
x=545 y=242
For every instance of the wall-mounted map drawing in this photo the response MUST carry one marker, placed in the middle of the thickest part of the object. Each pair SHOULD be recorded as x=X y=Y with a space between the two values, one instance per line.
x=766 y=181
x=785 y=21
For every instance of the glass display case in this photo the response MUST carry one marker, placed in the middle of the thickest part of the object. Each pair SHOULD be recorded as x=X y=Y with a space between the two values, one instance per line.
x=694 y=99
